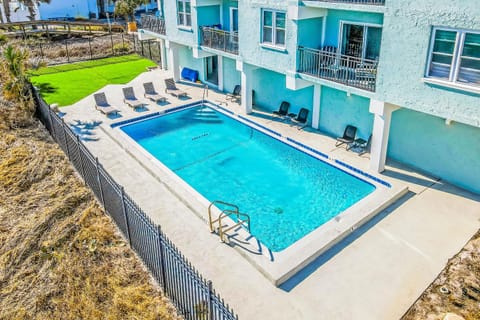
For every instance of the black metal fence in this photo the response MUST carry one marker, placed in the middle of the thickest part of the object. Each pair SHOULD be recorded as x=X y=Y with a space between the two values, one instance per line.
x=150 y=49
x=82 y=48
x=193 y=296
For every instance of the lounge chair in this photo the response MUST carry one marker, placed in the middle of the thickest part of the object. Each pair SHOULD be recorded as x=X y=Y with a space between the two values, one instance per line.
x=235 y=95
x=130 y=99
x=348 y=136
x=172 y=89
x=151 y=94
x=282 y=110
x=300 y=119
x=102 y=105
x=360 y=145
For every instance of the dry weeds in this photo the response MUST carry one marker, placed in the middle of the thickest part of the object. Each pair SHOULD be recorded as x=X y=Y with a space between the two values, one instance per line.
x=60 y=255
x=77 y=48
x=456 y=289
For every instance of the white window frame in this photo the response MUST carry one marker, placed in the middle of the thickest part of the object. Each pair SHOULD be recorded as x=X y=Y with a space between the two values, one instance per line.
x=232 y=9
x=365 y=34
x=184 y=13
x=456 y=56
x=274 y=28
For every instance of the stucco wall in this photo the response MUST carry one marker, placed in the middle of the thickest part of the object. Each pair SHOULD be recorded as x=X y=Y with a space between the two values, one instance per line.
x=270 y=91
x=185 y=59
x=227 y=4
x=250 y=36
x=337 y=110
x=310 y=33
x=451 y=152
x=182 y=35
x=208 y=15
x=403 y=58
x=231 y=76
x=335 y=17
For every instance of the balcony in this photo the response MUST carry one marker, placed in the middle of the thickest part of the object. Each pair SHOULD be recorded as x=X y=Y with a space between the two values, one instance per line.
x=219 y=39
x=153 y=24
x=330 y=65
x=365 y=2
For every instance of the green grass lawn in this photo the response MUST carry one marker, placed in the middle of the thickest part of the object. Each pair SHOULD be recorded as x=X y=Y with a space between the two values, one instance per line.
x=69 y=83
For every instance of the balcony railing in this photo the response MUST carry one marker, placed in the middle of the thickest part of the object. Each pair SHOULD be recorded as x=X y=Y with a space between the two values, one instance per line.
x=219 y=39
x=153 y=23
x=373 y=2
x=351 y=71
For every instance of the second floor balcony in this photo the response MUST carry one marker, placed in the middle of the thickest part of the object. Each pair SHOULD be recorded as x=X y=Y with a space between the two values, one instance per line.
x=219 y=39
x=153 y=24
x=330 y=65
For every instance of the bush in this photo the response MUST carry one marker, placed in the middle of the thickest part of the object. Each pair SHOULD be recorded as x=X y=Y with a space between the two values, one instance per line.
x=121 y=48
x=3 y=39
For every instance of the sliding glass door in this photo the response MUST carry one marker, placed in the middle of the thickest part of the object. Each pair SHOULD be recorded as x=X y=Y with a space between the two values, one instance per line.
x=361 y=41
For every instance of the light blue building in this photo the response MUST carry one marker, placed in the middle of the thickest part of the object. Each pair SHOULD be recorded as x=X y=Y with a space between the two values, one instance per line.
x=405 y=72
x=59 y=9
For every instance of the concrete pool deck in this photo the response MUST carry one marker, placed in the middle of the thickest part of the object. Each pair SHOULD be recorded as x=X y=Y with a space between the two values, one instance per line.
x=375 y=273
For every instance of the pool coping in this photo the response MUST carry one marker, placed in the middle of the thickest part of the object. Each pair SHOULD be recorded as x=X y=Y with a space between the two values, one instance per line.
x=275 y=266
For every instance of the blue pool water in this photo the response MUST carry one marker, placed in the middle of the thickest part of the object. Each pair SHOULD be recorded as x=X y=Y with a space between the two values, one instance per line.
x=286 y=192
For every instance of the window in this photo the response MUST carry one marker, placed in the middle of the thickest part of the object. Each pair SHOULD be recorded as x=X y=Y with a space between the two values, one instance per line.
x=361 y=41
x=273 y=28
x=184 y=13
x=455 y=56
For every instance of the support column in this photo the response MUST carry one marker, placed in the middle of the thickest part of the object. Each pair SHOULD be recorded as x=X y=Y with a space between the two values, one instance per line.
x=246 y=84
x=220 y=72
x=246 y=92
x=317 y=94
x=173 y=60
x=163 y=55
x=381 y=130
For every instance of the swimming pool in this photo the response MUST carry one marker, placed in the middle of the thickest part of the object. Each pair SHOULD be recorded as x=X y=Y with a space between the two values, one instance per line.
x=286 y=192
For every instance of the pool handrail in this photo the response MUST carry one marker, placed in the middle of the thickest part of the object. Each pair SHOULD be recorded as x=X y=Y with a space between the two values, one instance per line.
x=240 y=222
x=210 y=220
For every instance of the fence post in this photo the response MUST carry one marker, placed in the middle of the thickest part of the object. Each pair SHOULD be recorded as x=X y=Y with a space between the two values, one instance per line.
x=97 y=166
x=65 y=137
x=127 y=224
x=162 y=259
x=90 y=46
x=82 y=168
x=123 y=42
x=53 y=132
x=111 y=40
x=150 y=48
x=134 y=43
x=210 y=305
x=41 y=50
x=66 y=48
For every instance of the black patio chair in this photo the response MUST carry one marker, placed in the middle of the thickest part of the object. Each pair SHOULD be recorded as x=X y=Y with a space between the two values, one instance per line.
x=301 y=119
x=348 y=136
x=361 y=146
x=283 y=109
x=235 y=95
